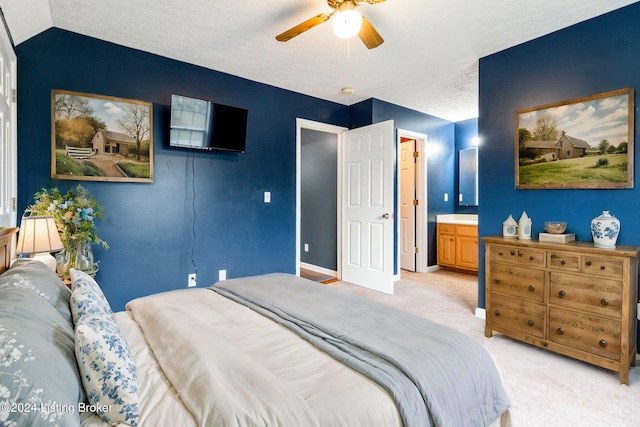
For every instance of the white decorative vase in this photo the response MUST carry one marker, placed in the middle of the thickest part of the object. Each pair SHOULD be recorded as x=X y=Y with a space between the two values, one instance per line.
x=510 y=228
x=605 y=229
x=524 y=227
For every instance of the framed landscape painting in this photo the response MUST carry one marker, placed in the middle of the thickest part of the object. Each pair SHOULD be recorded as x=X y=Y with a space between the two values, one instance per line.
x=581 y=143
x=101 y=138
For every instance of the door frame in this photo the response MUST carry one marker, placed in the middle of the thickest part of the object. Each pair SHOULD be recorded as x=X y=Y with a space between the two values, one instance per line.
x=327 y=128
x=422 y=241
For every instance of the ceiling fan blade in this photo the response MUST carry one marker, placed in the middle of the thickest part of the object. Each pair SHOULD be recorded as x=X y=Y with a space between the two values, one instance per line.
x=369 y=36
x=301 y=28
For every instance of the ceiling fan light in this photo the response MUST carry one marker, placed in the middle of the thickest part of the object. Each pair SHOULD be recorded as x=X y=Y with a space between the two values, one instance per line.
x=346 y=23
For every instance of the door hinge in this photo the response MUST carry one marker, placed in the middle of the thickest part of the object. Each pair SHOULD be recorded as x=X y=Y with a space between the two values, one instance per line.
x=14 y=96
x=14 y=204
x=415 y=203
x=416 y=250
x=416 y=154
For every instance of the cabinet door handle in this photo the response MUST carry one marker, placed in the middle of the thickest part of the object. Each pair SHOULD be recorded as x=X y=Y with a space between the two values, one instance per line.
x=530 y=322
x=560 y=331
x=604 y=302
x=497 y=312
x=562 y=294
x=532 y=288
x=603 y=343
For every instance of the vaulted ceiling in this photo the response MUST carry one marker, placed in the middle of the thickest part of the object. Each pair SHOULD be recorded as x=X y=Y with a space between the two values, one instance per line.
x=428 y=61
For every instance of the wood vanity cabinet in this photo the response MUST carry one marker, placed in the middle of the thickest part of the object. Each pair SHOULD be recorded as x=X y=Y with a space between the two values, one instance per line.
x=458 y=246
x=574 y=299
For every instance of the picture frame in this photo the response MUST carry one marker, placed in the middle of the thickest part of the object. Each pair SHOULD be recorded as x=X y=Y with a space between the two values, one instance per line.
x=101 y=138
x=583 y=143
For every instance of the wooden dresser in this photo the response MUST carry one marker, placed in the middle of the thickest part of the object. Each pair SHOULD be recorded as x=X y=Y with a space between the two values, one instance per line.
x=574 y=299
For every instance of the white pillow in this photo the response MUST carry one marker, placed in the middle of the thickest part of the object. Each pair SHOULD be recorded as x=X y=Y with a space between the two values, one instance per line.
x=87 y=297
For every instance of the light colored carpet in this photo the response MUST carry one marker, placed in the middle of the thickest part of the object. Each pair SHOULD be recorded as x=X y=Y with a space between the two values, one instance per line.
x=546 y=389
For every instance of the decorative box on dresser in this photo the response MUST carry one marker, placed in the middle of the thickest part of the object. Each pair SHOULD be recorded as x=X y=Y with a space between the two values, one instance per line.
x=574 y=299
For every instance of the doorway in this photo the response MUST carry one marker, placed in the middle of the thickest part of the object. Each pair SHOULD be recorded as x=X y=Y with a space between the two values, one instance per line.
x=318 y=184
x=412 y=200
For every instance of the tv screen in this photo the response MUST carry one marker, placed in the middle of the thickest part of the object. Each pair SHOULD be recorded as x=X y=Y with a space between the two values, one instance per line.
x=229 y=128
x=203 y=125
x=191 y=121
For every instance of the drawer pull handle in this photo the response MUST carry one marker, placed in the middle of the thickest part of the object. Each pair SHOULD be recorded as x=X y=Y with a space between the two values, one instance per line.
x=602 y=267
x=497 y=312
x=513 y=252
x=496 y=280
x=500 y=253
x=604 y=302
x=520 y=254
x=603 y=343
x=562 y=294
x=530 y=323
x=531 y=258
x=532 y=288
x=560 y=331
x=588 y=263
x=563 y=262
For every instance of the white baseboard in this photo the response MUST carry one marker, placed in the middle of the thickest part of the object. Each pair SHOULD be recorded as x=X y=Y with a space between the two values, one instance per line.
x=318 y=269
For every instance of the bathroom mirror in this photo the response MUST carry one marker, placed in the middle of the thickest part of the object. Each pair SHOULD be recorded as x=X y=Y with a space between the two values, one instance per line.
x=468 y=177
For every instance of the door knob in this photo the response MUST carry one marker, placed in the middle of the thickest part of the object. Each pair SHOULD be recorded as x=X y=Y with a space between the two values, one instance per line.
x=386 y=216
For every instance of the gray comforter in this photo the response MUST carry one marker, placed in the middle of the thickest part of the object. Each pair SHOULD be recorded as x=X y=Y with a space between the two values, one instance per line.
x=437 y=376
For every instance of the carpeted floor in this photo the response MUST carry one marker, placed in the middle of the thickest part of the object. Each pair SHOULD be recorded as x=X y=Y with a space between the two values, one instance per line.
x=546 y=389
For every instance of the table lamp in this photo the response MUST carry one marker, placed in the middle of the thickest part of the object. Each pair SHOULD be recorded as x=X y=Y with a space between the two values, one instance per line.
x=38 y=237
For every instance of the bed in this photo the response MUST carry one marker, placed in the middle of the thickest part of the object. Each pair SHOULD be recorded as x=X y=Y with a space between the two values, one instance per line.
x=270 y=350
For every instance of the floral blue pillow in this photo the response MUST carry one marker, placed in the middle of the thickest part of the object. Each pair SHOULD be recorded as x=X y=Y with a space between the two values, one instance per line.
x=39 y=381
x=107 y=369
x=32 y=274
x=87 y=297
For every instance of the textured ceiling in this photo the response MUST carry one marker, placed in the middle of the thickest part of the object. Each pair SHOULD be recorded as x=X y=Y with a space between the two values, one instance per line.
x=428 y=62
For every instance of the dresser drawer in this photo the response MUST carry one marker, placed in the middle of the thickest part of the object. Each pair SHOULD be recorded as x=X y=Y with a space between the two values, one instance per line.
x=503 y=253
x=518 y=315
x=564 y=261
x=531 y=257
x=593 y=334
x=610 y=267
x=592 y=294
x=521 y=282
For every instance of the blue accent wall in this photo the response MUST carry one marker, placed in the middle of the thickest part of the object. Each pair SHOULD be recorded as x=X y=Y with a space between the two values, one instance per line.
x=592 y=57
x=204 y=210
x=156 y=238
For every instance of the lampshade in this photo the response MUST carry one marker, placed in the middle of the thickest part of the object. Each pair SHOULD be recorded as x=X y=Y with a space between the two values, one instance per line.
x=346 y=23
x=38 y=234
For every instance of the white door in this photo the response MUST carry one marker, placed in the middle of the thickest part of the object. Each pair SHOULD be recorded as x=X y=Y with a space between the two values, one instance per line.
x=8 y=147
x=407 y=205
x=368 y=198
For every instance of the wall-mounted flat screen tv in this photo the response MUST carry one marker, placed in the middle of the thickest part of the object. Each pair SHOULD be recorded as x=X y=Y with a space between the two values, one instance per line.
x=203 y=125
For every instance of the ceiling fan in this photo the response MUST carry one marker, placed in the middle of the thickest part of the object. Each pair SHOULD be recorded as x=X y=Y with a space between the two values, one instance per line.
x=346 y=23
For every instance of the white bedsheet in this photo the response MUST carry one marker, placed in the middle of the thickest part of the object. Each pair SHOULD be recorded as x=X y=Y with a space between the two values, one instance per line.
x=175 y=338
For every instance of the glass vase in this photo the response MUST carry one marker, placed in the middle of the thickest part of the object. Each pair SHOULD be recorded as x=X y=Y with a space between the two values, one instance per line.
x=79 y=255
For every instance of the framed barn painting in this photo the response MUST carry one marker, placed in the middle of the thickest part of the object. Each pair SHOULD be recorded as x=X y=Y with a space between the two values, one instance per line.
x=101 y=138
x=581 y=143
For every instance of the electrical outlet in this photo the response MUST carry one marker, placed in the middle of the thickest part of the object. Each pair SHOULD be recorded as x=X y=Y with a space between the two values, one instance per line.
x=306 y=247
x=446 y=197
x=191 y=280
x=222 y=275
